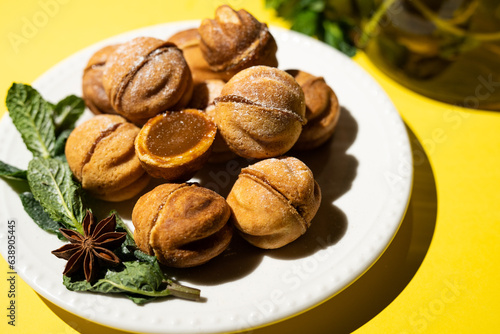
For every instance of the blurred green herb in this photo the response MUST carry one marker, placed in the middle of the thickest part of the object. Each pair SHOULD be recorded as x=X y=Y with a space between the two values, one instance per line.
x=335 y=22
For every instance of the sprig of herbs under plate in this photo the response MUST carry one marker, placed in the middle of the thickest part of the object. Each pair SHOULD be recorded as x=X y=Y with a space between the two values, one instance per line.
x=55 y=200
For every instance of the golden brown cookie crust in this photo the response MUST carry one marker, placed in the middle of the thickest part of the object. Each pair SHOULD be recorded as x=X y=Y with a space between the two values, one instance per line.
x=260 y=112
x=147 y=76
x=93 y=92
x=322 y=110
x=183 y=225
x=189 y=42
x=101 y=154
x=274 y=201
x=236 y=40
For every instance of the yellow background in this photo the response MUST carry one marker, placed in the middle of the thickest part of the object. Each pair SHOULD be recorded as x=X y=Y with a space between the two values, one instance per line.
x=441 y=273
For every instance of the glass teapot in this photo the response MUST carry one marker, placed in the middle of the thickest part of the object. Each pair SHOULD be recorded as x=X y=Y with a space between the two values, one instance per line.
x=447 y=50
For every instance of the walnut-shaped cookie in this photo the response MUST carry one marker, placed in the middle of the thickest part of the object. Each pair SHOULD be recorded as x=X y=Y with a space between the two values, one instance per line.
x=92 y=90
x=260 y=112
x=274 y=201
x=184 y=225
x=236 y=40
x=189 y=42
x=322 y=110
x=176 y=144
x=101 y=154
x=147 y=76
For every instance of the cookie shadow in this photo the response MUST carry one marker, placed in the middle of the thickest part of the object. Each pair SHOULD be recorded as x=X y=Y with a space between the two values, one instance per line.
x=334 y=170
x=220 y=177
x=236 y=262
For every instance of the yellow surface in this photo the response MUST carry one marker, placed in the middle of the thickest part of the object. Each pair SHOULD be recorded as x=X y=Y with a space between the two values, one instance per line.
x=440 y=274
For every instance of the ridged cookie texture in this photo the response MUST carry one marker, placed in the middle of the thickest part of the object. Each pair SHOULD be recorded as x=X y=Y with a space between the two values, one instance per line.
x=274 y=201
x=322 y=110
x=147 y=76
x=184 y=225
x=101 y=154
x=260 y=112
x=236 y=40
x=93 y=92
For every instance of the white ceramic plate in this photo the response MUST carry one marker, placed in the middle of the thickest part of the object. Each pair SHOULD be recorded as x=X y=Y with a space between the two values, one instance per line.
x=365 y=174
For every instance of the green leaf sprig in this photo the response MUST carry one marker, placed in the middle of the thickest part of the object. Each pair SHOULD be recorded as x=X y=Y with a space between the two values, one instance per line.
x=49 y=178
x=44 y=128
x=56 y=200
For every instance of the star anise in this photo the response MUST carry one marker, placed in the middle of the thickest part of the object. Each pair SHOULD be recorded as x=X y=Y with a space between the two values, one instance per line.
x=92 y=250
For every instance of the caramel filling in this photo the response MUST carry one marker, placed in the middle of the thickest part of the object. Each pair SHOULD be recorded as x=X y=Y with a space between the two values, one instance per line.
x=176 y=133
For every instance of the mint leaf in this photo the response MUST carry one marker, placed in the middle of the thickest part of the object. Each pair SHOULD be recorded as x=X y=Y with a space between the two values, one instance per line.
x=52 y=184
x=335 y=22
x=143 y=257
x=60 y=144
x=32 y=116
x=140 y=281
x=67 y=112
x=39 y=216
x=136 y=277
x=128 y=247
x=10 y=172
x=75 y=284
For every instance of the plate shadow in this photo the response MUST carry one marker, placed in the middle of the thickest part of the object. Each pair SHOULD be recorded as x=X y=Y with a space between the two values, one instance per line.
x=334 y=170
x=386 y=279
